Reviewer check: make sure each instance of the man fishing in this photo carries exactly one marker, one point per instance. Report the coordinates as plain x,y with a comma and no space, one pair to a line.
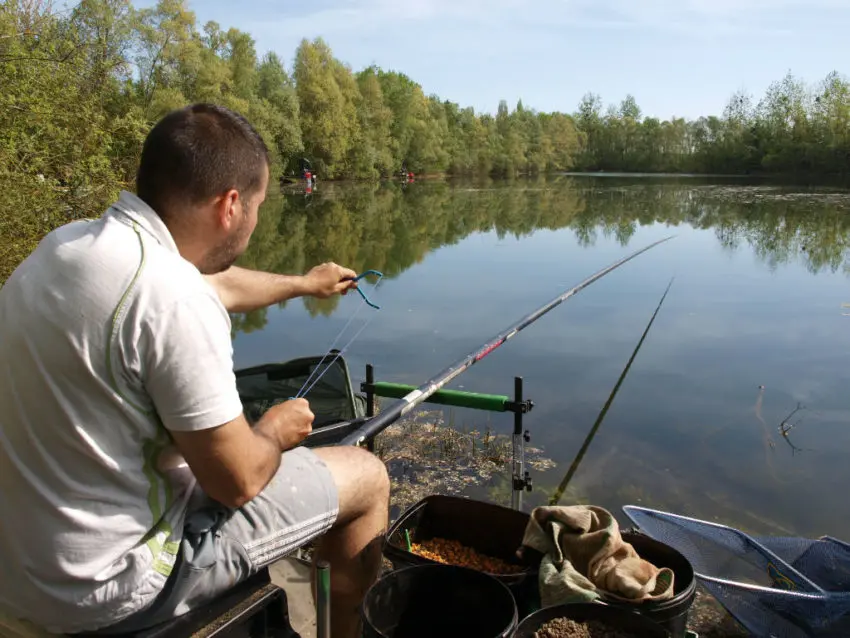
132,487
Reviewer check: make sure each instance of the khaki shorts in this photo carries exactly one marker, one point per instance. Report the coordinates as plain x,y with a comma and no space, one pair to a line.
222,547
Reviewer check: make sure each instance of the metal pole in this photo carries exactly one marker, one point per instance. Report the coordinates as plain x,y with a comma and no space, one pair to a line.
370,401
518,449
370,394
323,599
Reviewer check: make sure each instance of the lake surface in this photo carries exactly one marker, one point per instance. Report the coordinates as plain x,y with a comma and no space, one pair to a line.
761,273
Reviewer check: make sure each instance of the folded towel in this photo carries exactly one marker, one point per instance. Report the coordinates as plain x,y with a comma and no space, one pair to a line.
586,559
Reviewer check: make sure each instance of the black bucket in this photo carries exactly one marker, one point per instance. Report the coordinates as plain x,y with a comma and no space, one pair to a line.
627,622
488,528
431,601
671,614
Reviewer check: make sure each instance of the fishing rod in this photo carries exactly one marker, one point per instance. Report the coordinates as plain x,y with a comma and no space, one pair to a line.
383,420
559,493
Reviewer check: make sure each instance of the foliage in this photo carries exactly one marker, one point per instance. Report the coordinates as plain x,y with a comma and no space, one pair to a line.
794,129
82,86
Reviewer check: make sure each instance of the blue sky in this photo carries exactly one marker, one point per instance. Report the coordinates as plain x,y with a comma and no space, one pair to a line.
677,57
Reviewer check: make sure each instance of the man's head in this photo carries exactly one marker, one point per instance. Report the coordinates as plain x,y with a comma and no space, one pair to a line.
205,170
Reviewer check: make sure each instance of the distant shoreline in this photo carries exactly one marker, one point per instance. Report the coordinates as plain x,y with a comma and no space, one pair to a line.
787,179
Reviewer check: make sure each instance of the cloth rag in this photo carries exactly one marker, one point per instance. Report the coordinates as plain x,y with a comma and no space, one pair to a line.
586,559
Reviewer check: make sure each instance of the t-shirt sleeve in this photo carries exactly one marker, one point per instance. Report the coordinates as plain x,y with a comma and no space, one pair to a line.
188,368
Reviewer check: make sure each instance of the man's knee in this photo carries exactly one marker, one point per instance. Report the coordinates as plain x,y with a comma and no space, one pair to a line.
375,486
379,478
360,476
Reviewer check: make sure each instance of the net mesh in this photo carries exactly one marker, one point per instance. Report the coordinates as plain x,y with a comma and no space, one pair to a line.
331,398
784,587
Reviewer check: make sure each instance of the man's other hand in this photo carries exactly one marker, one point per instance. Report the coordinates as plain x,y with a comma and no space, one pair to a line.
328,279
292,421
234,462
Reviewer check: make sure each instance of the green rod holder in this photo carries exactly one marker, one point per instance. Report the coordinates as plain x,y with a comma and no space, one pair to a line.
323,599
456,398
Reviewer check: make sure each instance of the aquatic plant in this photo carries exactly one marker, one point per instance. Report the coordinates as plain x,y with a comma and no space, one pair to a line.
428,455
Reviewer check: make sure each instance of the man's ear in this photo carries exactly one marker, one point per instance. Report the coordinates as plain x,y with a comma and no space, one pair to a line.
228,207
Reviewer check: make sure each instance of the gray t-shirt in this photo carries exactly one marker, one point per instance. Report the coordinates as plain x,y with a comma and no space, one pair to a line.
108,339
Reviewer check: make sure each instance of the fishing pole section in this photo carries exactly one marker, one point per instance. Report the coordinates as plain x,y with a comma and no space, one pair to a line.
376,424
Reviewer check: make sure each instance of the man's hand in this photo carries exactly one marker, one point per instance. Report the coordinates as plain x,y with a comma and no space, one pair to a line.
329,279
289,422
234,462
244,290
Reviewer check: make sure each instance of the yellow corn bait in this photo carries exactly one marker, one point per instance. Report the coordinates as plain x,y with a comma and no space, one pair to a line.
451,552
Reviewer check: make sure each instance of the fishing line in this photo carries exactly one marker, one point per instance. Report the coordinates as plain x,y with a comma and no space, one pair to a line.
330,349
307,386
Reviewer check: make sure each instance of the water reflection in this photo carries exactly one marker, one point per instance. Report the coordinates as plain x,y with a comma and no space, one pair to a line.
390,228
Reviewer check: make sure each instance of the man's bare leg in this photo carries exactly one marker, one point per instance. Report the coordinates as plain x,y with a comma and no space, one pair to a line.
353,545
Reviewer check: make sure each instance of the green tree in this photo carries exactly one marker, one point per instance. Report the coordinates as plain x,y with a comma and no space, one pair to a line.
242,60
372,153
55,71
275,87
166,59
327,98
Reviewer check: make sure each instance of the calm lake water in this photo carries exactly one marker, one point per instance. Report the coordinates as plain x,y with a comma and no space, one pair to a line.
761,273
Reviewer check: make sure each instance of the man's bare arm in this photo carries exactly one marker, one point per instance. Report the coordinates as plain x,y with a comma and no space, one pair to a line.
243,290
234,462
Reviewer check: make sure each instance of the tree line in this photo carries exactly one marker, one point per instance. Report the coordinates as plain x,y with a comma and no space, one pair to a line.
82,86
793,130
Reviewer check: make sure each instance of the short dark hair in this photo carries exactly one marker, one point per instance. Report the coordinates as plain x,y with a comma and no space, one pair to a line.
197,152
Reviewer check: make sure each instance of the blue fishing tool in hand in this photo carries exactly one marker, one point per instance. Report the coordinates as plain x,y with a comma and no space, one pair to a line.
310,382
378,274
